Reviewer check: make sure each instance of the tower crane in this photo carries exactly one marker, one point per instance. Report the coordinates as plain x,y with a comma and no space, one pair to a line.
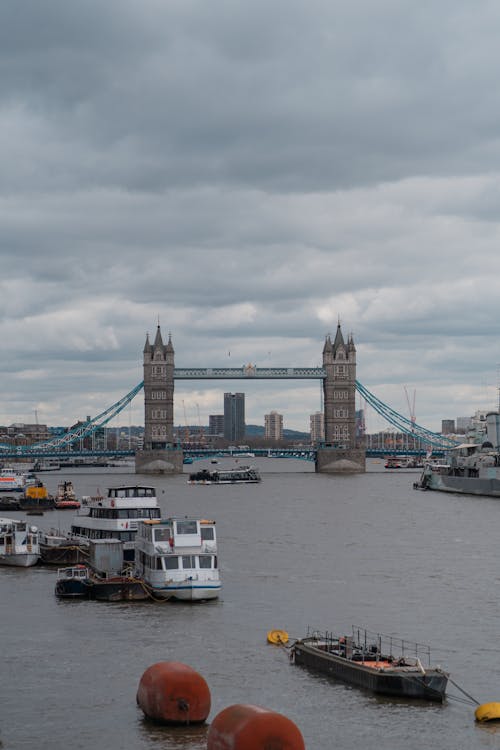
186,428
202,433
411,407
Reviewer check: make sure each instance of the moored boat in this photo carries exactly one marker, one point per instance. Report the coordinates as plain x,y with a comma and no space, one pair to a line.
472,469
65,498
14,480
18,543
381,664
73,582
115,516
177,558
241,475
36,498
59,548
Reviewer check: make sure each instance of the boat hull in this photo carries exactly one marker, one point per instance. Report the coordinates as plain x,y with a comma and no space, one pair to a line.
64,554
119,589
20,560
73,588
398,683
463,485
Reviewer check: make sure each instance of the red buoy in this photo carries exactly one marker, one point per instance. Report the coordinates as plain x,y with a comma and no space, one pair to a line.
173,693
246,727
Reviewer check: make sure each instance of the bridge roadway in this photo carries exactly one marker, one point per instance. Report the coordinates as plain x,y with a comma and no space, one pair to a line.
305,453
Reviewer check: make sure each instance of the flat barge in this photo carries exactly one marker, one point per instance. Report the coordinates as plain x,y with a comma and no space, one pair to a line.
381,664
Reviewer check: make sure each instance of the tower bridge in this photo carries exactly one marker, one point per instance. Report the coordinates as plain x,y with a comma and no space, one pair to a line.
342,451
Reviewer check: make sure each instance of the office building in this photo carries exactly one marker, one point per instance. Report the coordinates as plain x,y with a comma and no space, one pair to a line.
317,423
216,424
447,426
273,426
234,417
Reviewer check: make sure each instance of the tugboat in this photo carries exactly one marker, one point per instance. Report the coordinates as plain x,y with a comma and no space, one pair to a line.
66,497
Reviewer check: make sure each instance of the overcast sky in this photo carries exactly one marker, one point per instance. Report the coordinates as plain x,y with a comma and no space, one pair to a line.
250,172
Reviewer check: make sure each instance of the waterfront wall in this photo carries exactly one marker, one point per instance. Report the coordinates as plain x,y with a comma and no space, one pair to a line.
159,461
340,461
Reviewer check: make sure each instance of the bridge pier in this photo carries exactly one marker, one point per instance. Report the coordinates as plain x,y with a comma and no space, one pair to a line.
330,460
159,461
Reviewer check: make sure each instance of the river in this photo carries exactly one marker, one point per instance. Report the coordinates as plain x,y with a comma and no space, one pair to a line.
297,550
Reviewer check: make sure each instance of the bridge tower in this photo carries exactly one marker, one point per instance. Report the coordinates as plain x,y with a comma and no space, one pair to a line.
340,452
159,454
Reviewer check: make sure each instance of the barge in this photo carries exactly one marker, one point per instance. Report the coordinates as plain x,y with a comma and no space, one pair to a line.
381,664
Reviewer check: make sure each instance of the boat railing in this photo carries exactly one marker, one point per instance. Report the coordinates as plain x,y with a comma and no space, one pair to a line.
376,645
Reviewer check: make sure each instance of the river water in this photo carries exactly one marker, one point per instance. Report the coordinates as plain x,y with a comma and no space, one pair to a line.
298,550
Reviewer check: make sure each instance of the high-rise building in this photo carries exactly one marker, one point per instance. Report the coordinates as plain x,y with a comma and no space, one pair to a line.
216,424
447,426
317,422
234,417
273,426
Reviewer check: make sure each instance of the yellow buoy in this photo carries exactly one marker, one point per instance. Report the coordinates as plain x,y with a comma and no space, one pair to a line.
277,637
488,712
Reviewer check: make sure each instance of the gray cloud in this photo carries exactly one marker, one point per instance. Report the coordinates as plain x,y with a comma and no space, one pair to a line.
249,173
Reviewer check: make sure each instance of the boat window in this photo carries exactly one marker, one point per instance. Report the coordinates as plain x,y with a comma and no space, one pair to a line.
188,562
162,535
158,563
171,563
187,527
207,533
205,561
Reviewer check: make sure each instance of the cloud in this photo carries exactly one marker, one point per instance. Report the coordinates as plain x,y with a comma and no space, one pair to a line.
249,174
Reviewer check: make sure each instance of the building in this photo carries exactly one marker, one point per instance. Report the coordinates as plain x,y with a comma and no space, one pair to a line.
234,417
216,424
317,422
24,434
447,426
273,426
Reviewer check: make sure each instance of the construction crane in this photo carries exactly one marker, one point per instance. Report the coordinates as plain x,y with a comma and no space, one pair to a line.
411,407
186,428
202,433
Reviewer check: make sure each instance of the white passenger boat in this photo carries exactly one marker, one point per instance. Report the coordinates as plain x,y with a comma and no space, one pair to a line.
18,543
177,558
15,480
116,516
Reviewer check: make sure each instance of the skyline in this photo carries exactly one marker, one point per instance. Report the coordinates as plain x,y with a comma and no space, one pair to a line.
248,175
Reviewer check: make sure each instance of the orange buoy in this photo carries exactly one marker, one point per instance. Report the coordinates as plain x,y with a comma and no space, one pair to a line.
247,727
173,693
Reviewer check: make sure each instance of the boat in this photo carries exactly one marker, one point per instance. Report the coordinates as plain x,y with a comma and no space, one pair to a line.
36,498
177,558
9,502
187,460
115,516
14,480
381,664
110,578
403,462
65,498
18,543
241,475
392,462
73,582
472,469
46,465
60,548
